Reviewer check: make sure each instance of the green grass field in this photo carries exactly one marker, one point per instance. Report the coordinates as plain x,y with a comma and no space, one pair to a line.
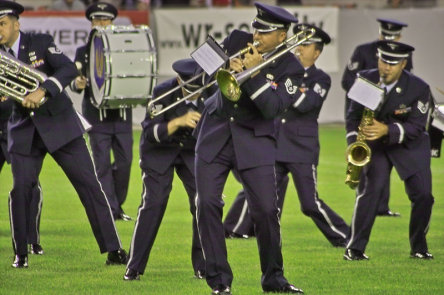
72,263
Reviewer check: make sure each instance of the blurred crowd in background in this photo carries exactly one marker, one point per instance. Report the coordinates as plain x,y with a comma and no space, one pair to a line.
74,5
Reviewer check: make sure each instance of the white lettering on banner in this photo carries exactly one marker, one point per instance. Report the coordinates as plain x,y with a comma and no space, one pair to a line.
69,33
179,32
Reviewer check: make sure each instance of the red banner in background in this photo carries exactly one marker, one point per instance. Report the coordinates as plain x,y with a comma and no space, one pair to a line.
70,29
137,17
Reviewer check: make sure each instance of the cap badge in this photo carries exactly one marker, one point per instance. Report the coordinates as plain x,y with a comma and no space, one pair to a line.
392,46
102,6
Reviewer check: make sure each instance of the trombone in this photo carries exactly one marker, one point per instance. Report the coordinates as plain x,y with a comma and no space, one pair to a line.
151,107
229,83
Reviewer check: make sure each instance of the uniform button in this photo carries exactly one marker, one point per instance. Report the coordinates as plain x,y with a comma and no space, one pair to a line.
31,114
231,119
181,144
283,121
235,106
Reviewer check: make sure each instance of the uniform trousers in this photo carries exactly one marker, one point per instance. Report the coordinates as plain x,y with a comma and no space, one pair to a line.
260,185
75,160
156,191
304,176
385,196
238,219
418,187
114,176
36,200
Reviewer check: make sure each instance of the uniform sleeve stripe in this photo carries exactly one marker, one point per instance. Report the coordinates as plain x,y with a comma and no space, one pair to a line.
56,83
259,91
156,132
352,133
299,101
401,132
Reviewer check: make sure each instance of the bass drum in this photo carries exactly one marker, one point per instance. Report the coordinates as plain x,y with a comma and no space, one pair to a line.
122,66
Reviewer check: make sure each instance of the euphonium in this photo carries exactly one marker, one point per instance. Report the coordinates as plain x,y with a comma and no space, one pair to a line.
358,153
18,79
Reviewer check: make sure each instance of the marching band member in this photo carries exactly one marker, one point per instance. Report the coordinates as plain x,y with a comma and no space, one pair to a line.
298,144
167,145
111,128
396,138
240,135
364,57
55,128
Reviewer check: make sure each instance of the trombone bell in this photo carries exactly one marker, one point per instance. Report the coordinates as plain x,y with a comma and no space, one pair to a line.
228,85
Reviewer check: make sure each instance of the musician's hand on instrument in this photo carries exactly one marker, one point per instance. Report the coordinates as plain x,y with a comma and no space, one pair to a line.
375,131
32,100
3,98
252,57
236,65
81,82
190,119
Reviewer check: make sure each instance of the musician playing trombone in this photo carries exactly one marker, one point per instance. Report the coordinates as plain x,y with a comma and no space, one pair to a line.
397,137
40,126
298,144
167,145
240,135
111,128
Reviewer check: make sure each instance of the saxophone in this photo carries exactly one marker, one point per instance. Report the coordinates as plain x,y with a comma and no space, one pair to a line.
358,153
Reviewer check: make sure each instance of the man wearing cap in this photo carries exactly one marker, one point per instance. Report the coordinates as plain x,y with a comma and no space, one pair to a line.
54,127
111,128
240,135
167,145
397,138
298,141
365,57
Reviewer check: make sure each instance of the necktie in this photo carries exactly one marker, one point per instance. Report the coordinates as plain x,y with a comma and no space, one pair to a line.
11,52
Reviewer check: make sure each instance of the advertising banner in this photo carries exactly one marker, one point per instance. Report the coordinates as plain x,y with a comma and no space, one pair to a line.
180,31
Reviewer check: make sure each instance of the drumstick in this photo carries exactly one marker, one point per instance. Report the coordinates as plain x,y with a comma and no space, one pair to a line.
440,90
79,67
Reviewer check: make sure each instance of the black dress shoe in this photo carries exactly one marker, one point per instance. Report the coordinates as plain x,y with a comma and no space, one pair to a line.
35,249
389,213
289,289
131,275
233,235
117,257
340,244
122,216
221,290
199,274
421,255
351,254
20,261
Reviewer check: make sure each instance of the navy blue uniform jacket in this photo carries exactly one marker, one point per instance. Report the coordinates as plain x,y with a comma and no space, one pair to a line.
405,111
298,138
158,150
56,120
249,121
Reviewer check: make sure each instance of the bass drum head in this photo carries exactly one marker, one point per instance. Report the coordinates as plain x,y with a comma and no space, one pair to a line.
97,68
